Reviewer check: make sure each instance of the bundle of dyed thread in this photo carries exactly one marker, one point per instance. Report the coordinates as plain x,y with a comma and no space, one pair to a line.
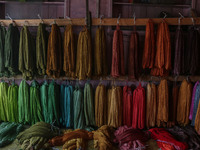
54,52
129,138
101,107
187,135
138,120
23,103
115,107
192,53
37,135
100,57
183,105
162,103
195,104
151,105
76,134
69,52
79,120
117,68
13,103
35,107
149,46
8,132
162,63
26,54
103,138
2,46
89,105
11,52
133,65
41,49
4,102
127,106
66,106
179,67
84,55
165,140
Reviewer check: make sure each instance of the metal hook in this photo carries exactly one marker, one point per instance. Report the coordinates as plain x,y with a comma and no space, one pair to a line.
101,19
118,18
2,24
9,17
179,19
70,20
188,77
26,23
40,18
134,16
165,15
193,22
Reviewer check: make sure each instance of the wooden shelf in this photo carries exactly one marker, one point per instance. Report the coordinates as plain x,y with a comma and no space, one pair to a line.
152,5
105,21
37,2
143,78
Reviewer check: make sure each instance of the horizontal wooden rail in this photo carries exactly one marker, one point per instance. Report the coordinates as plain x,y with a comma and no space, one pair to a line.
105,21
143,78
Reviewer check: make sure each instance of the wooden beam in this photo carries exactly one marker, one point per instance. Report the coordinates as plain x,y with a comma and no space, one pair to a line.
143,78
105,21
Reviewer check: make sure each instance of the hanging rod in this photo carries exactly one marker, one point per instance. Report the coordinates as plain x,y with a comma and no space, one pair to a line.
105,21
143,78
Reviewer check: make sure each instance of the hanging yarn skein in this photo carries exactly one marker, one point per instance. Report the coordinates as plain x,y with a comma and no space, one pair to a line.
192,51
11,52
24,103
35,105
100,57
149,46
117,68
44,100
183,105
89,105
193,97
133,66
127,106
151,105
69,107
41,49
101,106
115,107
195,105
84,55
197,120
162,103
53,102
4,111
138,120
13,103
78,99
69,52
173,108
2,50
66,106
54,52
163,53
179,67
26,54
